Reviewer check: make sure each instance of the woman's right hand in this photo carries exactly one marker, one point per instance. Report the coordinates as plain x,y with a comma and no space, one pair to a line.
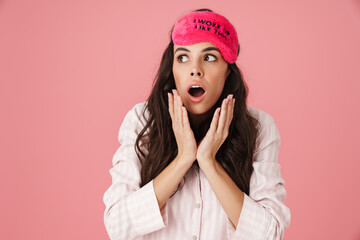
184,135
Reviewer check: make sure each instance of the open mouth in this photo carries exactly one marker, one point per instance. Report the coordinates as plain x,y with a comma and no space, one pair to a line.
196,91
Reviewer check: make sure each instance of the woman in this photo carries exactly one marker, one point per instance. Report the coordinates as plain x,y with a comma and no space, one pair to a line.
192,163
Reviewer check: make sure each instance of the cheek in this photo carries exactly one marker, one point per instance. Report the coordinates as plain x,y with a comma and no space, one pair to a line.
218,81
218,87
176,78
180,80
176,73
218,92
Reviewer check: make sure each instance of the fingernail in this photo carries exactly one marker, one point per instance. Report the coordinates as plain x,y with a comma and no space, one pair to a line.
231,96
173,91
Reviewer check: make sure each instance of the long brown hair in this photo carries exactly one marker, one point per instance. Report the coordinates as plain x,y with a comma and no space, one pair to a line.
156,145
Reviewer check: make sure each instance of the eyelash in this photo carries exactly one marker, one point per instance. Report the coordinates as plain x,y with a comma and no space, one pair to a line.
178,58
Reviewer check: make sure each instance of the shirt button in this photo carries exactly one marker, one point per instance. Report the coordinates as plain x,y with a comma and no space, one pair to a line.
197,205
194,237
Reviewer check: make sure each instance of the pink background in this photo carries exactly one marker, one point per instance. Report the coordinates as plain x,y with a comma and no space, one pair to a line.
70,70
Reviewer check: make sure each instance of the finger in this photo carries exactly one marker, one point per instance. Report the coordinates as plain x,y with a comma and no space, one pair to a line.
223,114
180,105
171,105
231,115
232,109
229,111
175,119
177,108
185,118
215,121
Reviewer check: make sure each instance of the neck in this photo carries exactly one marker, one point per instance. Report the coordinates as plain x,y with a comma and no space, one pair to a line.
197,122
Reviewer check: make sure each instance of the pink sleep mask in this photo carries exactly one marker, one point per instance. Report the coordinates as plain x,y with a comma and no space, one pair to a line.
207,26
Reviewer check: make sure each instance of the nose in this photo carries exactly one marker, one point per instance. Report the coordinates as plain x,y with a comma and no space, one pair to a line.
196,71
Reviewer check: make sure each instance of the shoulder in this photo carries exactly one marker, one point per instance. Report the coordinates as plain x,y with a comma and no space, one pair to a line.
137,111
268,131
136,117
263,117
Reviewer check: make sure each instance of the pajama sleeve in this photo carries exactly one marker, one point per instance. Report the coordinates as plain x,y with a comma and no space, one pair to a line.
264,215
130,211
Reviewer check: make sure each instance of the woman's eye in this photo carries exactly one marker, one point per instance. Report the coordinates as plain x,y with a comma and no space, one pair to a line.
210,58
182,58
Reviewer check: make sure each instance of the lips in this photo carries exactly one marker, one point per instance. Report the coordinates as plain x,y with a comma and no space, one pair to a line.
196,91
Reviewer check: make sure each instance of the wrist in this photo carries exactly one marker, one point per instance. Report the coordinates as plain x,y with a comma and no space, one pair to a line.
207,162
184,161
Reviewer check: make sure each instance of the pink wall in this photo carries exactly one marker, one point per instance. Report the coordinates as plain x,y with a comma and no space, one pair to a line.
70,70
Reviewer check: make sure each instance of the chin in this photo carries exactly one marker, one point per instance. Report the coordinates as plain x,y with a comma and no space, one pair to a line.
198,109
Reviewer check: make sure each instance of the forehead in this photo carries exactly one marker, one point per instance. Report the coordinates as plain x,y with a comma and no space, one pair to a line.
195,46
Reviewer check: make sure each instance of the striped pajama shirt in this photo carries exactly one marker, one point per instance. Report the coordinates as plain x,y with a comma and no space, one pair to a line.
194,212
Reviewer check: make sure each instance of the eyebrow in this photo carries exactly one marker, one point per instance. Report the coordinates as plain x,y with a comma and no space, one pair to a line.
204,50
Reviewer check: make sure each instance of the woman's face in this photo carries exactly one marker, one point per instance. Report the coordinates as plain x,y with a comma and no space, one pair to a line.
200,72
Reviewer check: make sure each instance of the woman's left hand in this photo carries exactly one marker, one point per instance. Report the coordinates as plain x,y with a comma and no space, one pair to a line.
217,133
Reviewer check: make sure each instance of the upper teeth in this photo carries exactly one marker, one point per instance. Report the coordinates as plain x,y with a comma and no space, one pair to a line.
196,86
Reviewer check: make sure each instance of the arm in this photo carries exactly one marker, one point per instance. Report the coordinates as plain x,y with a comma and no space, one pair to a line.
229,195
125,201
130,210
263,214
167,181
